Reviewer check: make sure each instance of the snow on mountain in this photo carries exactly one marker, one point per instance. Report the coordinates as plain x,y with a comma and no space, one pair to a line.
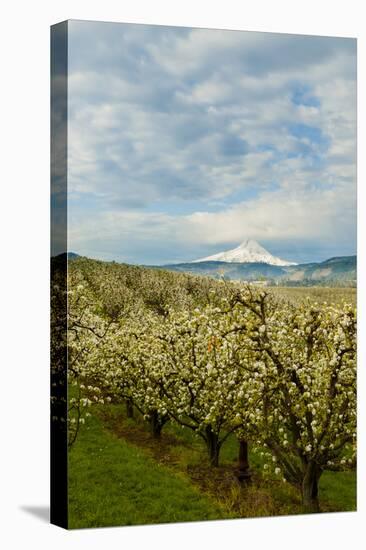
248,251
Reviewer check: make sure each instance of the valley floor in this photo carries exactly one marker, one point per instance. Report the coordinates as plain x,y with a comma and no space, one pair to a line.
332,295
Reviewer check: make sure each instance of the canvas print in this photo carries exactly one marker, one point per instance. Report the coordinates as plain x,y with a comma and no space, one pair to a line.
203,268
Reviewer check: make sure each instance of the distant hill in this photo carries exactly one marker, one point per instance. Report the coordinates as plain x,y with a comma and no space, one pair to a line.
70,255
340,271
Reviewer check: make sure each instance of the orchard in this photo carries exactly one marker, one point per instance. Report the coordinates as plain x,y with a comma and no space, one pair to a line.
216,358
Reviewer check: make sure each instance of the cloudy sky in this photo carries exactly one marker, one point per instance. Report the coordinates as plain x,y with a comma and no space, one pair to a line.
184,142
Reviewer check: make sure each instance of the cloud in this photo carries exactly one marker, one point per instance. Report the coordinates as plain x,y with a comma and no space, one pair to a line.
191,138
325,216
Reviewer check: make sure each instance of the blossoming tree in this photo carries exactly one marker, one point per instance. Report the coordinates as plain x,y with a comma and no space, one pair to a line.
300,385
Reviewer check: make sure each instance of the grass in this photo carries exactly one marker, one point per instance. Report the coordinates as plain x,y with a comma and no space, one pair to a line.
120,475
332,295
113,483
339,489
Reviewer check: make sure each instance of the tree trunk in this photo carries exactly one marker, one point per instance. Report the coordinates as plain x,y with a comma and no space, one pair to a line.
129,408
213,446
156,423
243,472
310,487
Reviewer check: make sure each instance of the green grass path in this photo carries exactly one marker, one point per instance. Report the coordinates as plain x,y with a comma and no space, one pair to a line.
114,483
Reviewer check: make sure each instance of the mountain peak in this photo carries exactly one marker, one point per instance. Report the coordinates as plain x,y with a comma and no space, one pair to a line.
251,244
249,251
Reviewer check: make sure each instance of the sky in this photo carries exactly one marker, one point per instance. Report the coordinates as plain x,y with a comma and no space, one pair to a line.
185,142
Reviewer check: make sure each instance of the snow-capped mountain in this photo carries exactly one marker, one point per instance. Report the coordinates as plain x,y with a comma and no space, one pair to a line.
248,251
